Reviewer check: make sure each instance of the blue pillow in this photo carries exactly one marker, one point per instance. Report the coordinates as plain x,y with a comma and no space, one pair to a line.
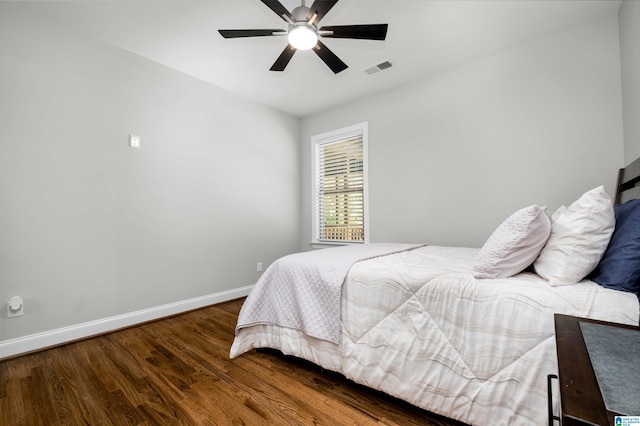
619,268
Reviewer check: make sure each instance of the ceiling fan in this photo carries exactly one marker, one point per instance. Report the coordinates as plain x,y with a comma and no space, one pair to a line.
303,32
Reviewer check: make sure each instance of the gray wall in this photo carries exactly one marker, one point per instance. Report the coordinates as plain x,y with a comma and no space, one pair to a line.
630,64
451,156
90,228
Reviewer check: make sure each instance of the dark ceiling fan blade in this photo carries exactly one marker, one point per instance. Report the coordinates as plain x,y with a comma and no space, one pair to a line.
329,58
283,60
319,8
250,33
366,32
279,9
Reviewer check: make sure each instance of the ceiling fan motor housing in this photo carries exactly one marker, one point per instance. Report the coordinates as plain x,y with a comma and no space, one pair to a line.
300,13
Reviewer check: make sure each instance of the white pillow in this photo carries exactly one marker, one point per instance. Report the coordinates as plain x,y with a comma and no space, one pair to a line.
514,245
579,237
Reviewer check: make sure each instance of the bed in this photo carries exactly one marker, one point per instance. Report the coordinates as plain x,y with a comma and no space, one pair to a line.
466,333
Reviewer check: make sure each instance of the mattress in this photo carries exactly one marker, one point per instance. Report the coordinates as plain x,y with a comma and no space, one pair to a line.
417,325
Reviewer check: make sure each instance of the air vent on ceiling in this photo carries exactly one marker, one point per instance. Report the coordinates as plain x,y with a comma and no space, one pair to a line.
378,67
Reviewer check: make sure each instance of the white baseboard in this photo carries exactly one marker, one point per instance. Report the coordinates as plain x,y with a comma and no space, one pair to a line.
34,342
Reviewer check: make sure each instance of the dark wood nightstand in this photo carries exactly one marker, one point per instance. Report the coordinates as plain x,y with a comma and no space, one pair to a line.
581,400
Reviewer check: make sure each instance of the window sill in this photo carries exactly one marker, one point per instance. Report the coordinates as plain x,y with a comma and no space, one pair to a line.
325,244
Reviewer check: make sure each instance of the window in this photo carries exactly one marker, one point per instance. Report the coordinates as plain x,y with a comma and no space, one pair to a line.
340,186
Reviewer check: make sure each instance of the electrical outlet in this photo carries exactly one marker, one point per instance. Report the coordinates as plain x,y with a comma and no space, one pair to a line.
134,141
15,307
259,267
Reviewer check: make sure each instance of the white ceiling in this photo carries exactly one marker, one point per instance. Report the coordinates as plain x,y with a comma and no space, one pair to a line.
424,37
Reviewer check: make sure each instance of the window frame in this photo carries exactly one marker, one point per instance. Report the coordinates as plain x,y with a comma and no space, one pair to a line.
335,136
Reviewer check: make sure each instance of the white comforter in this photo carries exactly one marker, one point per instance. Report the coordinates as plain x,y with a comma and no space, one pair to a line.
418,326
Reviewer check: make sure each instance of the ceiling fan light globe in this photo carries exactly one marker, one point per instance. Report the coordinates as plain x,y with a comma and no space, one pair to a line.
303,38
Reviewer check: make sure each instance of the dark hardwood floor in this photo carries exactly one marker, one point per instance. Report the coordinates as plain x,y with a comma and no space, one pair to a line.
177,371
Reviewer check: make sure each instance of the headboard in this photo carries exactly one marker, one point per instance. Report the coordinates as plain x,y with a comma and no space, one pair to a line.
628,186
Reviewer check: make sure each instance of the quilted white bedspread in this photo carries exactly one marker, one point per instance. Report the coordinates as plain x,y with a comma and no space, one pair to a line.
417,325
303,290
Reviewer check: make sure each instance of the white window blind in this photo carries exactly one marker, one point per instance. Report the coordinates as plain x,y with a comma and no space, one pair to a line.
340,187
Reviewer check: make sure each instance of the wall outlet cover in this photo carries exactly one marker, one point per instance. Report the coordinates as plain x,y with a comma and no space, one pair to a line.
134,141
15,307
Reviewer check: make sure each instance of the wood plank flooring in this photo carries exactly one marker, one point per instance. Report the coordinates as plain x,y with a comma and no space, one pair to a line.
177,371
